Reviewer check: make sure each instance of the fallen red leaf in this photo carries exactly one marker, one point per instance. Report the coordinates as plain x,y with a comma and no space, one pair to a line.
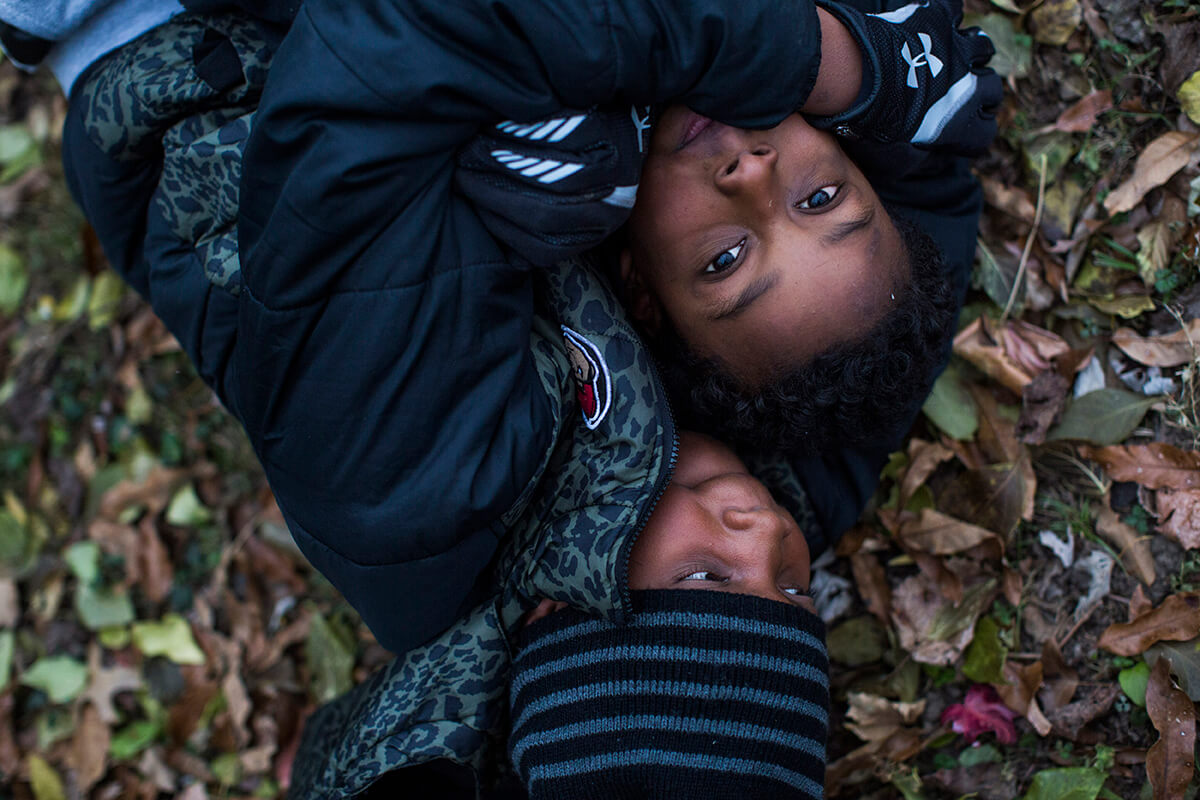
1080,117
980,712
1179,517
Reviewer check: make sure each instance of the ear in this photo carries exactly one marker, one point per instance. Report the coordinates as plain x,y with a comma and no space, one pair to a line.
640,301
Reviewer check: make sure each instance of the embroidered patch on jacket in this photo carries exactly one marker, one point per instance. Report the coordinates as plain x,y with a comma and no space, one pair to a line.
593,384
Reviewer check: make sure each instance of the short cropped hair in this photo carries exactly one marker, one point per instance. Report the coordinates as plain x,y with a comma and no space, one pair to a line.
858,393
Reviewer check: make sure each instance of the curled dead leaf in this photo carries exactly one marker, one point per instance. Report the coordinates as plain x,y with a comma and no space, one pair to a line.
874,719
1041,403
923,459
1177,619
1179,517
89,748
1170,760
872,584
932,629
1011,354
1081,116
1161,159
933,532
1169,350
1156,465
1132,548
1020,693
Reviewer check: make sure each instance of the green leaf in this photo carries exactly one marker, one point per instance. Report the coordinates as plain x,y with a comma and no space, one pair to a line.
14,141
951,407
1066,783
994,274
62,678
186,510
330,655
1133,682
106,294
1189,97
982,754
7,643
14,280
227,769
54,724
14,544
100,608
83,559
138,407
44,780
172,638
857,641
1105,416
1014,52
950,619
133,739
72,306
985,656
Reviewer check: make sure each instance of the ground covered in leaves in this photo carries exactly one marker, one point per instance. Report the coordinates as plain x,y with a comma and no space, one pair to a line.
1017,615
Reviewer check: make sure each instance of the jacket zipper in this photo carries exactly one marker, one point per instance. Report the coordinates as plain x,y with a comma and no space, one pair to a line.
663,482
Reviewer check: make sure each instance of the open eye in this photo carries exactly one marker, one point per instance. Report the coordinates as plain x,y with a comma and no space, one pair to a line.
726,259
820,198
703,575
796,590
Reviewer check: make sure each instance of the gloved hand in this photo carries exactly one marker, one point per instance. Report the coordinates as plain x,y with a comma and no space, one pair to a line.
556,187
924,81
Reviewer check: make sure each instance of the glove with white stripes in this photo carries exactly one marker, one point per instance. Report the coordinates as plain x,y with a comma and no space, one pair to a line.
555,187
924,81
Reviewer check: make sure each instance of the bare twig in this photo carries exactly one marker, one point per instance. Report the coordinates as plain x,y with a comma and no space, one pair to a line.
1037,222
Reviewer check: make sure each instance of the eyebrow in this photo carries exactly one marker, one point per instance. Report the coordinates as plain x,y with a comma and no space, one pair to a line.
754,290
844,230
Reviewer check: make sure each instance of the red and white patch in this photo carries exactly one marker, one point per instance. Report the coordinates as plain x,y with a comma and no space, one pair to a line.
593,384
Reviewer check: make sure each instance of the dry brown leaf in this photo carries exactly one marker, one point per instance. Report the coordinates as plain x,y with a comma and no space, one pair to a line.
1156,465
1070,719
1013,354
154,492
995,498
1041,403
1060,680
1170,350
872,585
1011,586
106,682
1011,200
1132,548
10,603
10,755
931,628
1139,603
1020,693
874,719
1054,21
923,459
1080,117
1177,619
89,748
154,562
1179,517
934,568
1161,159
936,533
1169,762
997,432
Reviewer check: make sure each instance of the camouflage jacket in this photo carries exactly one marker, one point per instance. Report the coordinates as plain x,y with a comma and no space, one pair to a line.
571,542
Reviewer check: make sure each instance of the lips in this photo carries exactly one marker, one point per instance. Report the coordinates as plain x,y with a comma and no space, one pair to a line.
695,126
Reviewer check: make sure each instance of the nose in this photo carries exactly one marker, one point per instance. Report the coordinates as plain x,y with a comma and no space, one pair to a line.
759,519
748,169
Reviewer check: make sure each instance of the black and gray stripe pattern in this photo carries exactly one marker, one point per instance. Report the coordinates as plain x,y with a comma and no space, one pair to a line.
724,695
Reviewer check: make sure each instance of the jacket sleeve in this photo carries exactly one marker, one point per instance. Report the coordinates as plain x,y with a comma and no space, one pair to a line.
382,368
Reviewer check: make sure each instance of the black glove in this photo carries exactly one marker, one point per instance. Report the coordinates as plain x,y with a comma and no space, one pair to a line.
924,81
559,186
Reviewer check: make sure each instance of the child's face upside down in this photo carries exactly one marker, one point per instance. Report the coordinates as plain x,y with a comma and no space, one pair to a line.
717,527
762,248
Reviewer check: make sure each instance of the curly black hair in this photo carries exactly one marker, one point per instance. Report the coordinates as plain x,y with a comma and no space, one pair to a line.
862,392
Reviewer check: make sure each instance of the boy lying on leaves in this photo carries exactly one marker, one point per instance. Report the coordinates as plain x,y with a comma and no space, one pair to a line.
399,365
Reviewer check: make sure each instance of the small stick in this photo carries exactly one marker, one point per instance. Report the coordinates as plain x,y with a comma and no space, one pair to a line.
1037,221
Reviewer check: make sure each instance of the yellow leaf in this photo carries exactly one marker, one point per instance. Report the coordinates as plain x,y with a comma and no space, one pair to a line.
1189,97
1126,305
45,781
1055,20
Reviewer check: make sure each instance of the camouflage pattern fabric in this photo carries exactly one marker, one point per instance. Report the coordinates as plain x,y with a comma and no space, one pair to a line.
146,101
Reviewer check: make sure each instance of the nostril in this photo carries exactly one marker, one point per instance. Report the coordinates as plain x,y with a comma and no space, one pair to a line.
761,150
732,166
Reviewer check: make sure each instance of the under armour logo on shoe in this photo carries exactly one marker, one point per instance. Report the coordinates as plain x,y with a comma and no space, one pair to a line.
924,59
